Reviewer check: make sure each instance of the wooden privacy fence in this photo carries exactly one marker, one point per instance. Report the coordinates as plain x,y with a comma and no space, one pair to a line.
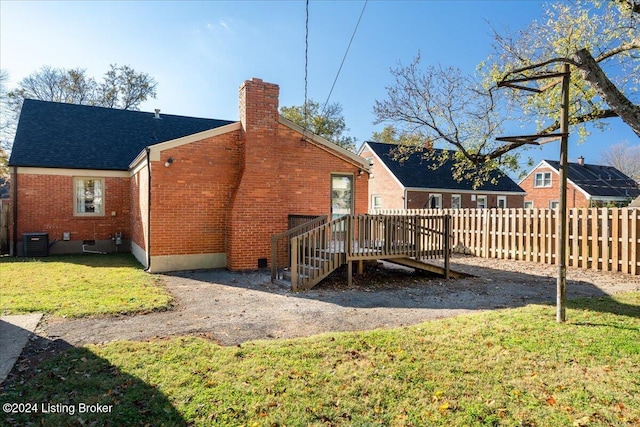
604,239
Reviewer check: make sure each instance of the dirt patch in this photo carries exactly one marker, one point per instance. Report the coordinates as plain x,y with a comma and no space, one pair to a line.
231,308
236,307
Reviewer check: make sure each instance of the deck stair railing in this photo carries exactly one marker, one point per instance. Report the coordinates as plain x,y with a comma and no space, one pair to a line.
281,243
319,251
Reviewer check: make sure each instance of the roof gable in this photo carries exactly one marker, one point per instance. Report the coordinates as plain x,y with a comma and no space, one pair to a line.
59,135
599,180
327,145
417,172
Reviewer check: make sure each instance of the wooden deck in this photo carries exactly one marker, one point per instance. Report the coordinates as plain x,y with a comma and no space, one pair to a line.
323,246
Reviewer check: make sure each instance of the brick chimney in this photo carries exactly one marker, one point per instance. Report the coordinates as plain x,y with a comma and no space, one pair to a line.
259,105
258,197
581,161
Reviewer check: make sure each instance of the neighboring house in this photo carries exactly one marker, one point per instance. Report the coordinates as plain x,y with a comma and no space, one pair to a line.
587,186
635,203
413,183
178,192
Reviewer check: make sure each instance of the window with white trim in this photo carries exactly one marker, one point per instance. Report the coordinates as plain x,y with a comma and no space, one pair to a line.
528,204
542,180
435,201
88,196
553,204
456,201
376,202
481,202
502,202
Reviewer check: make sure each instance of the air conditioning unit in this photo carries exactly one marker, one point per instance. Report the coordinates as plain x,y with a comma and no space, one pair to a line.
35,244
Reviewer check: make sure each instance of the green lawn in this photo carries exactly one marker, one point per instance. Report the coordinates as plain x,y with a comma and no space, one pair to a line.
514,367
79,285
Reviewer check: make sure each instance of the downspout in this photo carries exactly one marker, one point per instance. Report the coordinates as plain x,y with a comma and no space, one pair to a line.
405,199
14,184
148,150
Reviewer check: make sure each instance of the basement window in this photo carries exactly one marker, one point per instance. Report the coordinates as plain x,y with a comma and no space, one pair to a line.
88,198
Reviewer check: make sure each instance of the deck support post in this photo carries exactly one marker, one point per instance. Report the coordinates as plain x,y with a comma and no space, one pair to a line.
361,266
294,264
349,273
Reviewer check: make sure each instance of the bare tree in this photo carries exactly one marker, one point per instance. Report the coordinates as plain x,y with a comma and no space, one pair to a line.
7,125
446,107
624,157
6,121
122,88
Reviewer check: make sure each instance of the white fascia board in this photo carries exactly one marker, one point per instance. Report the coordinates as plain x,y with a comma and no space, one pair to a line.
156,149
135,164
106,173
379,161
457,191
354,158
359,152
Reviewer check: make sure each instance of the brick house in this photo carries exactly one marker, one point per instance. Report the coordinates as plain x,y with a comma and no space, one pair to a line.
414,184
178,192
587,185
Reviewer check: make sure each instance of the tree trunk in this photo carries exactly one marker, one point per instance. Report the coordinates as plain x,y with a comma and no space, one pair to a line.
616,100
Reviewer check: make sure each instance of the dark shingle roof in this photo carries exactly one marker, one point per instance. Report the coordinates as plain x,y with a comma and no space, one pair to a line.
57,135
599,180
416,172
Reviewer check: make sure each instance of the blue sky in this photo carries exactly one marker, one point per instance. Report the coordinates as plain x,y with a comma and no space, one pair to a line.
200,52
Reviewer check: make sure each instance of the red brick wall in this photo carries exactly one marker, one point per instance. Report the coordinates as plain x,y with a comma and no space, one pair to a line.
542,196
383,184
45,204
281,175
420,200
137,217
190,199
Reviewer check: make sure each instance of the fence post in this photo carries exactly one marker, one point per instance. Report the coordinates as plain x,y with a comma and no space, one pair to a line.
485,233
417,235
447,248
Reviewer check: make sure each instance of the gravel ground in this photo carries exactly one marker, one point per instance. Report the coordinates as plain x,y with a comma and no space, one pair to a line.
232,308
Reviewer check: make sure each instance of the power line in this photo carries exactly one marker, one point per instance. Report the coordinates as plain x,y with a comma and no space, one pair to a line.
306,65
324,107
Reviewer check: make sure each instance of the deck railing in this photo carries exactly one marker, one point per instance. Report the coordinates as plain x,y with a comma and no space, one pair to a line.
281,243
318,252
388,236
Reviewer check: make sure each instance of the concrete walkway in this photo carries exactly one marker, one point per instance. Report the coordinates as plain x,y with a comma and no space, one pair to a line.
15,331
